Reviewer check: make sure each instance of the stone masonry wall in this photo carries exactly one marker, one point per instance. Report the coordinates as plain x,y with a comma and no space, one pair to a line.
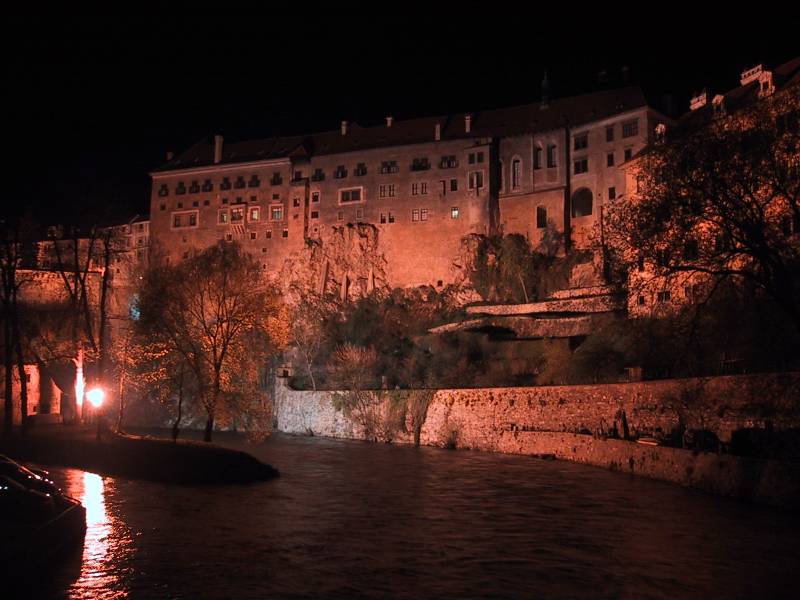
719,404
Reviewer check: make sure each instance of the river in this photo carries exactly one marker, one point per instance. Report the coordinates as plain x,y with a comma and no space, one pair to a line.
356,520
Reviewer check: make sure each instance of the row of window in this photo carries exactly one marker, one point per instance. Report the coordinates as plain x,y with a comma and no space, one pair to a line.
630,128
195,187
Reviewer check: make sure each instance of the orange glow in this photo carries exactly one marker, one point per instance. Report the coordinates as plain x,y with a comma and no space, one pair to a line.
80,385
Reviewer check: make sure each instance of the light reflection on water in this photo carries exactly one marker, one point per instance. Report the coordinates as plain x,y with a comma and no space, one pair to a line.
353,520
107,546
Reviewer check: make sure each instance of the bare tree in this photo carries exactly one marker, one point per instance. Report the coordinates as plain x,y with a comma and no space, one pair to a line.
217,312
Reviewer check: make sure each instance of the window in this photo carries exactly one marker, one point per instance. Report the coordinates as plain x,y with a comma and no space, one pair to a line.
630,128
610,159
318,175
610,133
340,216
255,213
480,157
475,180
551,157
664,296
414,189
206,202
581,165
415,215
296,202
195,204
226,184
276,212
581,141
180,205
315,214
537,157
383,218
628,154
269,234
423,188
351,195
285,233
541,217
423,214
194,188
237,214
385,191
314,197
640,300
454,212
163,207
360,170
420,164
224,200
454,185
163,190
391,217
252,235
475,157
208,186
612,193
239,184
448,162
254,182
443,183
516,173
360,214
297,176
582,201
180,189
340,172
253,198
276,179
222,216
184,219
389,166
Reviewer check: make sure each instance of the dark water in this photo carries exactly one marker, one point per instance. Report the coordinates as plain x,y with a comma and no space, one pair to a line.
356,520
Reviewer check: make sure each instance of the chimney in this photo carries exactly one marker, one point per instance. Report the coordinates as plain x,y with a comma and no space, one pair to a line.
344,127
698,100
545,93
467,123
437,132
170,155
389,121
218,149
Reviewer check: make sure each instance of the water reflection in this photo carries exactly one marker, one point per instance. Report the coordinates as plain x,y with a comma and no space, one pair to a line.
107,547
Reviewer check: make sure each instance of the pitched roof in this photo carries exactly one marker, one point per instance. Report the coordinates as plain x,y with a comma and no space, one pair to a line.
573,111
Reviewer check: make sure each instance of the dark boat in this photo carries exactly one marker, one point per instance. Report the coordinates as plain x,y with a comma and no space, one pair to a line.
38,522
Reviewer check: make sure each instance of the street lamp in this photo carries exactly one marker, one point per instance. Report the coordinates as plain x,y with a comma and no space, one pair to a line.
95,396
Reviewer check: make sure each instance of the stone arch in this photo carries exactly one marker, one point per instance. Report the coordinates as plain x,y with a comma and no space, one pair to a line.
582,202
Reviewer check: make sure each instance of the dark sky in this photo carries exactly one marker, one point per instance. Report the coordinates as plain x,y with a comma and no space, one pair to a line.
97,102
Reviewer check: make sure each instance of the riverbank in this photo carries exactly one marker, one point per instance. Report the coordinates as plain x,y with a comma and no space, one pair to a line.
573,422
136,457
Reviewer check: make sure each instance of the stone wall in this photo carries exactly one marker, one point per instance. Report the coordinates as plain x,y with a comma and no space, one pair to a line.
718,404
556,421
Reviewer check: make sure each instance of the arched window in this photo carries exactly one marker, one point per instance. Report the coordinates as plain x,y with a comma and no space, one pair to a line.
516,173
582,202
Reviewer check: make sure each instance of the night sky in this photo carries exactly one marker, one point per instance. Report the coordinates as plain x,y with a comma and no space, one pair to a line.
97,102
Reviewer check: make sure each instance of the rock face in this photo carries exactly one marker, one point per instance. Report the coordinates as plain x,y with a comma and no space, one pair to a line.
348,263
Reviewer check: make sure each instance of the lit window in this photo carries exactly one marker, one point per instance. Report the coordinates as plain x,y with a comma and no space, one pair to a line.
314,197
222,217
237,215
391,217
415,215
423,214
255,213
285,233
454,212
276,213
